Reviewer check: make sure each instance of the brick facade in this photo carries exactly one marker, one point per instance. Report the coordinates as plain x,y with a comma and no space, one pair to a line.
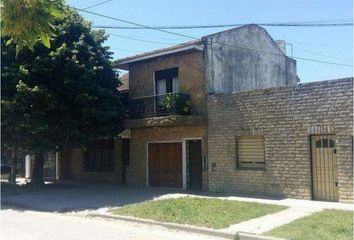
286,117
190,76
136,171
168,128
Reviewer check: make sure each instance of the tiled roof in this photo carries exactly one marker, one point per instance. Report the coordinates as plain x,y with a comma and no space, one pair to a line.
125,82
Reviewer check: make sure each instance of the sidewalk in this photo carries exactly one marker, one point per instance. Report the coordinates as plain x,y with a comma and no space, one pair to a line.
268,222
289,202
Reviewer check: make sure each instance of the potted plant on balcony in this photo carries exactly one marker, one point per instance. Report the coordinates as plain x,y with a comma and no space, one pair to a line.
175,103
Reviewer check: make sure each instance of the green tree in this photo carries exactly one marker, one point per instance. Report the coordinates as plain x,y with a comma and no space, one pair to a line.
9,75
26,21
59,97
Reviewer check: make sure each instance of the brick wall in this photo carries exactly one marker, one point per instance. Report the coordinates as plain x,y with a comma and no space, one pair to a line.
286,117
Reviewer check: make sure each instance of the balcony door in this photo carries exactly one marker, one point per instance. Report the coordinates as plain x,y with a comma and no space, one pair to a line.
166,81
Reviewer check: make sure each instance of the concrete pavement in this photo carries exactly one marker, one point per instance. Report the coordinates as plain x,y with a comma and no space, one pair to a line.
289,202
30,225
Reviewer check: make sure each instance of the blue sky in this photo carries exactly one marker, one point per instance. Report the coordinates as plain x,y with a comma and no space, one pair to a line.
333,44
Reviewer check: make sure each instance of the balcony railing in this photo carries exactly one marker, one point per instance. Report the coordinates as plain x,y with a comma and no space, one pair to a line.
160,105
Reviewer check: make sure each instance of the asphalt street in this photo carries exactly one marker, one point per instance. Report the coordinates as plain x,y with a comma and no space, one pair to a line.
33,225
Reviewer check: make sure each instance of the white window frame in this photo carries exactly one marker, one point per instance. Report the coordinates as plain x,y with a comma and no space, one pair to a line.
154,79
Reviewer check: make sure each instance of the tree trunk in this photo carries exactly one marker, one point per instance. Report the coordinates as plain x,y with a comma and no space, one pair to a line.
37,175
13,173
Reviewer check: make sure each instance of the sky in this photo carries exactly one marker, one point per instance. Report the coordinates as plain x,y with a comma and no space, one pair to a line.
332,44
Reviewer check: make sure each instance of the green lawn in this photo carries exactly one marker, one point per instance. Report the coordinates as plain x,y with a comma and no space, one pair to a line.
212,213
325,225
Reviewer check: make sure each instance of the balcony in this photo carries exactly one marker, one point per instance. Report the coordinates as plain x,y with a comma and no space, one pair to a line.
160,105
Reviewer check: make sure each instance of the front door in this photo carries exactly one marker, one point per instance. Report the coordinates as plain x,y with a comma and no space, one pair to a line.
165,165
194,161
65,169
125,158
324,168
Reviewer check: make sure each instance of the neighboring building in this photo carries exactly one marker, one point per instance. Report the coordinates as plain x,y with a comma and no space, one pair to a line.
285,141
233,65
226,113
124,87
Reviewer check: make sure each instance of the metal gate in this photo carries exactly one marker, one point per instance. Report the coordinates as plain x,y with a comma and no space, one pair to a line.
324,168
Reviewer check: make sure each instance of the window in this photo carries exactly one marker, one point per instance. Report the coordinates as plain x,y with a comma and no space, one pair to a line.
250,151
166,81
325,143
99,156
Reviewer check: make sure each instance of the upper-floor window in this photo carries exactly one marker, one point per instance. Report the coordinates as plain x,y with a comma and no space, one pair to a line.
166,81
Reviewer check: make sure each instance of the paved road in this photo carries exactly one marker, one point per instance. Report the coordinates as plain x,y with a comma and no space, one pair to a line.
32,225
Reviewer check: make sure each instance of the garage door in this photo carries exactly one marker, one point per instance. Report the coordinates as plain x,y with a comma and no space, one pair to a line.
165,165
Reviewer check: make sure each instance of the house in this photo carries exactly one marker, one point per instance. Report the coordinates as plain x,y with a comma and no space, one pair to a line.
227,113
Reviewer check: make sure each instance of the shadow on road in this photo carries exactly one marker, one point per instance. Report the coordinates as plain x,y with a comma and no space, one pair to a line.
74,196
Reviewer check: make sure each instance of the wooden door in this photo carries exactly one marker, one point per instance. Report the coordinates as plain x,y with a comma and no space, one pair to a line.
194,160
65,168
165,165
324,168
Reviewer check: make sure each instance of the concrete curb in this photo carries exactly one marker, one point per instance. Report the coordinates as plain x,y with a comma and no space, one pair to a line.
252,236
174,226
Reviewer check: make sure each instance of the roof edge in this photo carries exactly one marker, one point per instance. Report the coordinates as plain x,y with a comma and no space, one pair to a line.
124,62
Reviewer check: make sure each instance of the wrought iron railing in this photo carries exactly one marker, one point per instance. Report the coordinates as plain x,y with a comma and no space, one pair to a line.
160,105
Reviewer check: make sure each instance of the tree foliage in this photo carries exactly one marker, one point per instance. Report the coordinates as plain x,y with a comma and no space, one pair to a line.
26,21
62,96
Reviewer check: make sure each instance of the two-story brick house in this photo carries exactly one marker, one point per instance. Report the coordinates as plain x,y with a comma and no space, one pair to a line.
167,143
226,113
